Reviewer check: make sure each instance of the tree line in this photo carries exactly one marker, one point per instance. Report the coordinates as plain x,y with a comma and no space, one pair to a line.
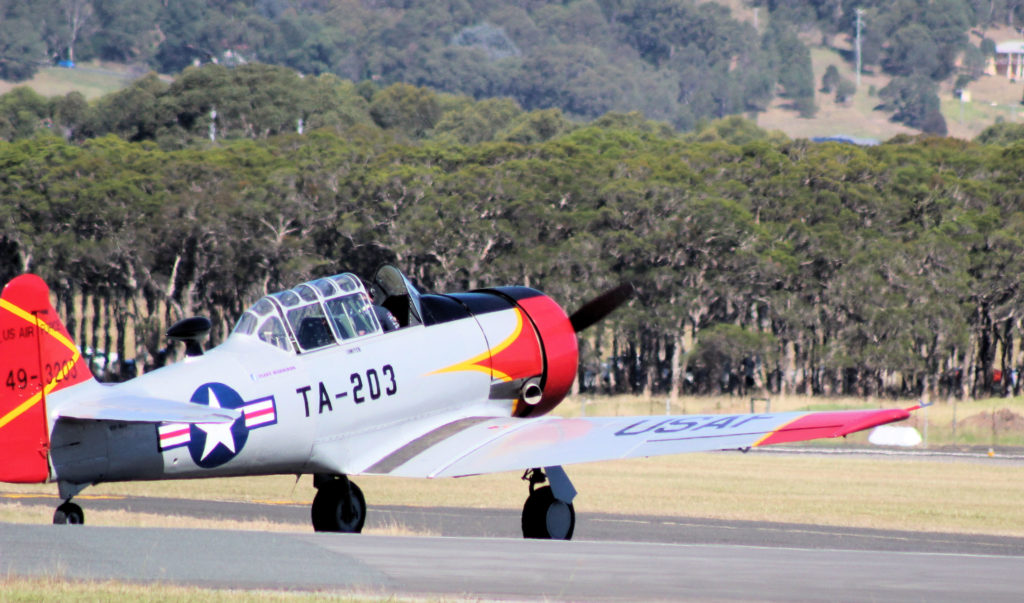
255,101
759,261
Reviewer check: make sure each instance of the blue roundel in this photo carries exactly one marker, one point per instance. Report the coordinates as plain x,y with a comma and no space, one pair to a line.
213,444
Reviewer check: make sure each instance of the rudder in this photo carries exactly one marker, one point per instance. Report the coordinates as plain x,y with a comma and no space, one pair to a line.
38,358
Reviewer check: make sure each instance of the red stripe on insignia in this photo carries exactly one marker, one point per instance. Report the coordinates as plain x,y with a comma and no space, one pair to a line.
174,435
173,430
259,413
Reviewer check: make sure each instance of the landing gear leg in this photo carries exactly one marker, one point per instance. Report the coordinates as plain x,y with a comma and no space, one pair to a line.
548,512
68,513
338,506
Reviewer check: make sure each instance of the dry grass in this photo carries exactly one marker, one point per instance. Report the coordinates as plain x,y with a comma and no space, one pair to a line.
93,80
992,98
927,495
15,589
895,494
855,118
16,512
34,513
740,10
269,489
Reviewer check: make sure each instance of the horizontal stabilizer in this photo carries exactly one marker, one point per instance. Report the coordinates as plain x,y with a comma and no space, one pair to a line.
140,409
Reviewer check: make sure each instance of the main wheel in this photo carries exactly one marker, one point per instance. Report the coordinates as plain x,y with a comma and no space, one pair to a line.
544,516
339,506
68,513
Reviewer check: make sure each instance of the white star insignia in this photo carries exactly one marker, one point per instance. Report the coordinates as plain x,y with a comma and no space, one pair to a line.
216,433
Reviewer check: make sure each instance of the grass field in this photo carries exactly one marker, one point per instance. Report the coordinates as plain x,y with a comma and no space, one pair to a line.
993,98
13,589
928,495
93,80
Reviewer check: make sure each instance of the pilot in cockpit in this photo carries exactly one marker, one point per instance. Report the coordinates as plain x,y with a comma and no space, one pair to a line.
387,320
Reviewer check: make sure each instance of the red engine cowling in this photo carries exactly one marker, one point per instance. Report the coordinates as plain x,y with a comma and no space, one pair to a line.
559,354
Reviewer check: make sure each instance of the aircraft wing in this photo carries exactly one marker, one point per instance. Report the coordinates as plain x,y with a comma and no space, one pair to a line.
488,445
142,409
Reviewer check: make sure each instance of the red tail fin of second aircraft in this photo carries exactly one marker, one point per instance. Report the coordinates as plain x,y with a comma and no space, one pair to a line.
37,358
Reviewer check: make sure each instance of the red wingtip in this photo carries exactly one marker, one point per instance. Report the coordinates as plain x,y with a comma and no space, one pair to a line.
832,424
918,406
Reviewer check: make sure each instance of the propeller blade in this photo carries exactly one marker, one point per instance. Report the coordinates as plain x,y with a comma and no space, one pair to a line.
601,306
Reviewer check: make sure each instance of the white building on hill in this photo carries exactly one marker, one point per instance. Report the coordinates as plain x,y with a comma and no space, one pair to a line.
1009,60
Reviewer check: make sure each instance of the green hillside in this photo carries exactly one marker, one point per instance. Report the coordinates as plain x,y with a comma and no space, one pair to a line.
682,62
993,99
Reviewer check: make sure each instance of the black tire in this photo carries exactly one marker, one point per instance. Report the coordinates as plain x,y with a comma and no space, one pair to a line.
546,517
339,506
68,513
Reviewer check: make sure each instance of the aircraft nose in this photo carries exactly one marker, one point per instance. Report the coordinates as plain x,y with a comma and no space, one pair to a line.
560,349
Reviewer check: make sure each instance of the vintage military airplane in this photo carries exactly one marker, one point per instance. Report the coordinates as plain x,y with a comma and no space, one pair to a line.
309,382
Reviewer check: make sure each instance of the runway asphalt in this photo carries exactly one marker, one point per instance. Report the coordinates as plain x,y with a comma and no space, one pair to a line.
481,556
494,568
504,523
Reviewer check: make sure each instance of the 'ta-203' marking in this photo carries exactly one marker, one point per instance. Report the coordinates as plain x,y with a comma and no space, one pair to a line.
668,426
369,385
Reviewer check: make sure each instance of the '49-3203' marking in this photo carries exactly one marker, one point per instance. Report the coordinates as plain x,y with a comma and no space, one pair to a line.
19,378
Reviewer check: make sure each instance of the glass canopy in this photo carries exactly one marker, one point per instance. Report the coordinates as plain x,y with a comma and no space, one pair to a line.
312,315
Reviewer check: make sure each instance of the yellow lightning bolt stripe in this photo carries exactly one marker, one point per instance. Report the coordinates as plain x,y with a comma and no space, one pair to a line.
472,363
49,387
20,409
